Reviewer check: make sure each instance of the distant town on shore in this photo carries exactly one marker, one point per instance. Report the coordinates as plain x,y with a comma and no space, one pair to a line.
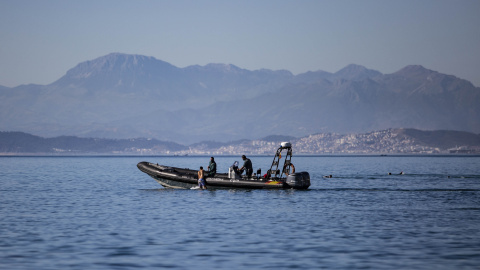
390,141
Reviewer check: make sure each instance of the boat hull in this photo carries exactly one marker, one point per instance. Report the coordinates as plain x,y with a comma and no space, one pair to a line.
172,177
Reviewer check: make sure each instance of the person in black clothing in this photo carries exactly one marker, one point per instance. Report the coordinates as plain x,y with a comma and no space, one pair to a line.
212,167
247,166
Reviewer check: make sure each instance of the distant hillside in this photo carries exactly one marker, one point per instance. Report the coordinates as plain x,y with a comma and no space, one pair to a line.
278,138
443,139
392,141
19,142
120,96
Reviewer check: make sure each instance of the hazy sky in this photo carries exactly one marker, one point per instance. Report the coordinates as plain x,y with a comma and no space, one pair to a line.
41,40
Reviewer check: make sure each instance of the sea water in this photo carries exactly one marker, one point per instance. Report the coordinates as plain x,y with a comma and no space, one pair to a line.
103,213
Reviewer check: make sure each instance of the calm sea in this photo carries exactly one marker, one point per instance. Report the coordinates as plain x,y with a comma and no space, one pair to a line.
103,213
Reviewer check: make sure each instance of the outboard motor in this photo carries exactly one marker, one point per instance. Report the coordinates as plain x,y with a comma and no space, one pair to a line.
299,180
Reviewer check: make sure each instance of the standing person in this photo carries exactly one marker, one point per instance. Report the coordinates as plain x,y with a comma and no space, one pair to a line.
212,167
247,166
201,179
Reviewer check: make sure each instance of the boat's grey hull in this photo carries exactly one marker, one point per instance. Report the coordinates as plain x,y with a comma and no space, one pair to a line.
171,177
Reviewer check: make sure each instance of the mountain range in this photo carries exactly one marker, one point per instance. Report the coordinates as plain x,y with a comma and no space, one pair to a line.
130,96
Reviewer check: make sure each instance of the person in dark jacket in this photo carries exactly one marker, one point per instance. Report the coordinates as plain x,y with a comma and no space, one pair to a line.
212,167
247,166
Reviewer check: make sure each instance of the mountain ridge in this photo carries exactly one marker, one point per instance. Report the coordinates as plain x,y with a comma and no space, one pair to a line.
124,96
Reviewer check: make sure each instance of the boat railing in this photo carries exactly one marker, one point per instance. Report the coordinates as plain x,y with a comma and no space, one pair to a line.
276,171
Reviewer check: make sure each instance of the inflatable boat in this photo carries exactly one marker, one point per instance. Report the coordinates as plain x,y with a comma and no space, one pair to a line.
277,177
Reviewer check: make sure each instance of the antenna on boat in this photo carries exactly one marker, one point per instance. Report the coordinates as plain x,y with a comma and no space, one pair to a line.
274,172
